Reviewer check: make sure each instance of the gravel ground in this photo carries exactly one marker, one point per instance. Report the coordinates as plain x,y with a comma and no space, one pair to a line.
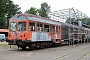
3,42
78,52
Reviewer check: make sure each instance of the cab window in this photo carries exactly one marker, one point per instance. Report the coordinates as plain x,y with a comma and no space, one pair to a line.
21,26
12,26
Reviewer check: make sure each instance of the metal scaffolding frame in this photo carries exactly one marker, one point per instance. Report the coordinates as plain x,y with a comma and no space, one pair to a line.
67,14
70,15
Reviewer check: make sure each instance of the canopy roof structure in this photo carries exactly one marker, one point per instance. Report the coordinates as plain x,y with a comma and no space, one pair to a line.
4,30
69,15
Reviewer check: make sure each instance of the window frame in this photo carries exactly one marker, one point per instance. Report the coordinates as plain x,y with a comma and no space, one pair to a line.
32,26
48,29
23,27
14,26
52,28
40,28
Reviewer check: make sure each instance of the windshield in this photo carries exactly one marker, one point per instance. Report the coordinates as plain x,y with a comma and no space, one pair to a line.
21,26
13,26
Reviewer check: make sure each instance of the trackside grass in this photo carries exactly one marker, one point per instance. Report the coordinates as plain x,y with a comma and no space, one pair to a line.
4,45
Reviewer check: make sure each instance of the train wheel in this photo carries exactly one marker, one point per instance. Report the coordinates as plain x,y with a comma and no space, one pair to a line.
32,46
41,46
48,44
23,48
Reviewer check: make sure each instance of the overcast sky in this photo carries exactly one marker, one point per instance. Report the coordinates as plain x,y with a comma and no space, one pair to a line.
81,5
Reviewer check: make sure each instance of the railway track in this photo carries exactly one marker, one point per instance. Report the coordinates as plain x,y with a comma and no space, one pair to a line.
81,55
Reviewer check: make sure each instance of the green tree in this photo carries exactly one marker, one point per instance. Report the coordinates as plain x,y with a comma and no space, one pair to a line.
7,10
11,9
88,22
44,10
32,10
2,14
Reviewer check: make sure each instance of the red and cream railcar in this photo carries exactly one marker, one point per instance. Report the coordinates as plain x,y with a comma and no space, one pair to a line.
33,31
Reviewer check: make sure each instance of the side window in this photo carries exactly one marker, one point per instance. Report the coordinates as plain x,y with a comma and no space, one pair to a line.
52,28
56,28
46,28
39,27
31,26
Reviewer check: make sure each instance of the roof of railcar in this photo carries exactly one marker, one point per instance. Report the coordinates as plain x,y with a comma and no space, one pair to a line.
34,17
31,15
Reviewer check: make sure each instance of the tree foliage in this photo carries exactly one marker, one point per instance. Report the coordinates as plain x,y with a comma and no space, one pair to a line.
44,10
7,10
11,9
86,21
2,14
32,10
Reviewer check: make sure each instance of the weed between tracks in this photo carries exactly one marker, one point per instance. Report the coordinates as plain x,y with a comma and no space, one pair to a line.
64,48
